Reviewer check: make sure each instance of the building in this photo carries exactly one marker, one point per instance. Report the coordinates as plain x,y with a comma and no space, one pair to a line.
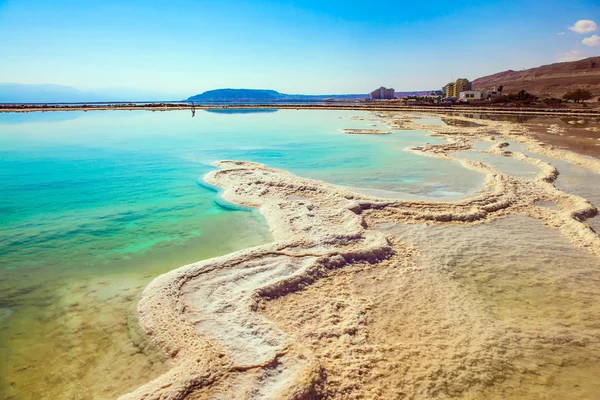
453,89
486,94
382,94
461,85
470,95
449,89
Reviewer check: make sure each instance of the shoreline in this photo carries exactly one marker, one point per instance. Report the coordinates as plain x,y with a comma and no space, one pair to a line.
319,228
592,112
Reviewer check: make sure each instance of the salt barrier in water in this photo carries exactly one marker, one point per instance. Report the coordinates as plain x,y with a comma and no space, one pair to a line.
219,199
205,315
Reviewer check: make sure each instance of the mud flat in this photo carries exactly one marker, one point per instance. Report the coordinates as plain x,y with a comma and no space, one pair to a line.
364,297
581,135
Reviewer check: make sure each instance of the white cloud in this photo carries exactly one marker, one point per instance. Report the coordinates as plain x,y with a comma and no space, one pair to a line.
572,55
593,41
560,33
584,26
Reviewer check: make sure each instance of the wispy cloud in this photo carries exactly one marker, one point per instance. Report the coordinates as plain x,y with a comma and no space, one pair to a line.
584,26
560,33
572,55
593,41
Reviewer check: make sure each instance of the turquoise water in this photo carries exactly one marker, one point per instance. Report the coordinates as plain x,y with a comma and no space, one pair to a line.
95,176
94,205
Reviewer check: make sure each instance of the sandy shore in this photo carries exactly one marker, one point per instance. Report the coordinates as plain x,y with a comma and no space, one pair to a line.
295,319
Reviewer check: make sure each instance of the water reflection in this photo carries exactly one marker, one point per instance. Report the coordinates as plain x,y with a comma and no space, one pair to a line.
14,118
241,110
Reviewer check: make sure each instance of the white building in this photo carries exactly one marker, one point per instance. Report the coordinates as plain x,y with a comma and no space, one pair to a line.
471,95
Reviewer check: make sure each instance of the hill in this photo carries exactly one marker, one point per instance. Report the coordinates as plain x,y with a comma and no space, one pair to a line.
45,93
552,80
263,95
219,95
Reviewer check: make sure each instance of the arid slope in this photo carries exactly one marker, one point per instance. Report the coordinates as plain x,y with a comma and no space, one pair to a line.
552,80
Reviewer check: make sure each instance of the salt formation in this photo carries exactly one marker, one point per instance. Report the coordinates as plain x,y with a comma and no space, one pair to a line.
206,316
366,131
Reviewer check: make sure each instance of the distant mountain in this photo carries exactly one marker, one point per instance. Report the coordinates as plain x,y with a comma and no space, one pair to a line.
48,93
263,95
552,80
219,95
128,94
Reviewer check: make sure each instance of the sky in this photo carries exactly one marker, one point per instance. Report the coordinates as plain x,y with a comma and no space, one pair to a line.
184,47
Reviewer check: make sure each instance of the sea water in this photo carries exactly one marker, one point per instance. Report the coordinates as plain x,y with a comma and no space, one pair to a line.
93,205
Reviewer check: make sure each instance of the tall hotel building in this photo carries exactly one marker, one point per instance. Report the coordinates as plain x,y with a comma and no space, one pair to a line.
453,89
382,94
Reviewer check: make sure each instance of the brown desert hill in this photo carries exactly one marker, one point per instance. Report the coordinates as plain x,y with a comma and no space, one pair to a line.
552,80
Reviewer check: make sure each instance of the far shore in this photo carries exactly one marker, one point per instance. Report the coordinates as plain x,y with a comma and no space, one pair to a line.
592,111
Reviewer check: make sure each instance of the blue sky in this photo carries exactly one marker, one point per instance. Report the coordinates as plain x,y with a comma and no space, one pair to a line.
185,47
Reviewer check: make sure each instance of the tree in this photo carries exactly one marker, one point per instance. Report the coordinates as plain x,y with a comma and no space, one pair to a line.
568,96
578,95
583,94
521,96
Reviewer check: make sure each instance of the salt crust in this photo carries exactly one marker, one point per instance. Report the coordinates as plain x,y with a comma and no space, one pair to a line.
205,316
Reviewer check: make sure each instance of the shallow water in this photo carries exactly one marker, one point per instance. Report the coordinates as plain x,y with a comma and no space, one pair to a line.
94,205
542,294
595,223
480,145
505,164
579,181
429,120
571,178
578,134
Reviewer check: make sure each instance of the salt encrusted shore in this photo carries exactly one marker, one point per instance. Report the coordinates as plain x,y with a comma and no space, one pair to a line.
353,106
366,131
206,316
